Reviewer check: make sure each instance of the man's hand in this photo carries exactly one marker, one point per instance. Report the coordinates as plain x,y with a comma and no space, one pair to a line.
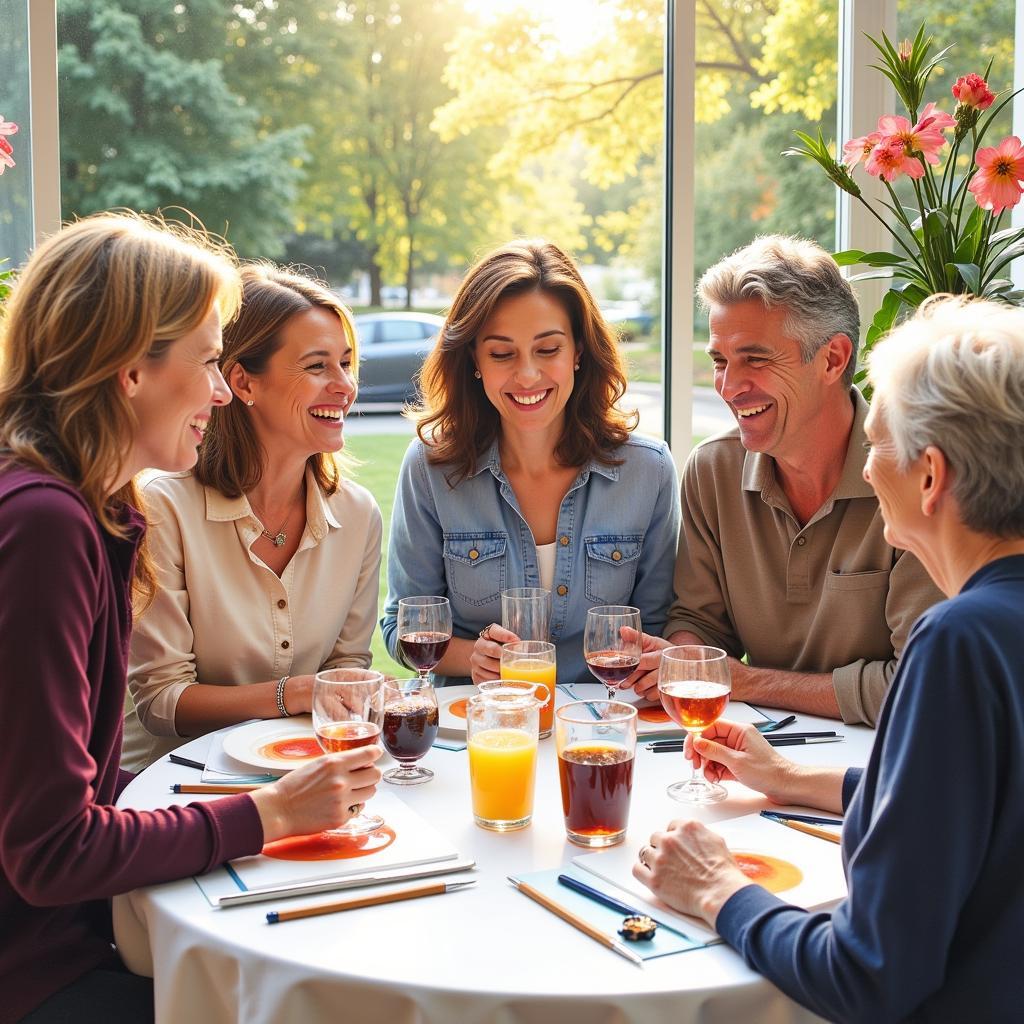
645,679
690,868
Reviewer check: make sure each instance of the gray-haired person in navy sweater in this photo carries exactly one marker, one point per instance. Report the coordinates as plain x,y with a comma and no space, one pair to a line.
934,829
111,345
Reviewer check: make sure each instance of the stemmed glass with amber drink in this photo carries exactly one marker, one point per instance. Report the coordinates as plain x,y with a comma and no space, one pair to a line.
610,655
348,712
409,728
694,685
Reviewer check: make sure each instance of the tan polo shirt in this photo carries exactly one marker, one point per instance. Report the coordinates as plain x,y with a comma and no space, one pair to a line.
831,596
223,617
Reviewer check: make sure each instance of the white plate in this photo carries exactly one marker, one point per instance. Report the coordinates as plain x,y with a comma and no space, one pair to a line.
448,723
246,743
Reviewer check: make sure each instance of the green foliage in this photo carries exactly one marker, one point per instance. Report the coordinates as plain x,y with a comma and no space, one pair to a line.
6,278
149,122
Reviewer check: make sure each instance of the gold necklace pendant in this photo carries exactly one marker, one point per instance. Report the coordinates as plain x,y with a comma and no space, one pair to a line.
277,541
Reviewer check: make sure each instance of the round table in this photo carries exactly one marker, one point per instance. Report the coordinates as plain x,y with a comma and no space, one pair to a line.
485,954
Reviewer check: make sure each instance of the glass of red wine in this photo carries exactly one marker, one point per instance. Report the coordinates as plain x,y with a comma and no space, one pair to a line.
348,712
409,728
611,656
424,631
694,684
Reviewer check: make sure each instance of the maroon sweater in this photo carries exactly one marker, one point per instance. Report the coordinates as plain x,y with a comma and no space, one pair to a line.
65,620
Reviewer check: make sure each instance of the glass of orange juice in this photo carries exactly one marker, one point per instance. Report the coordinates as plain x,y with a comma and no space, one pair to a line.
533,661
501,730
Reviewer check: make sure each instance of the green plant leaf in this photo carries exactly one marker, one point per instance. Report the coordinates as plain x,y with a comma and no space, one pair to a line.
970,273
848,257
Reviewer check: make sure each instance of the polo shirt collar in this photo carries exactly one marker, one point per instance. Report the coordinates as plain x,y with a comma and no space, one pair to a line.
759,469
491,460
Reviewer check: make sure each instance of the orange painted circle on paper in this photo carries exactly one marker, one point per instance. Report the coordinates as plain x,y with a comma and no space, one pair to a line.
653,714
458,707
774,874
291,748
325,846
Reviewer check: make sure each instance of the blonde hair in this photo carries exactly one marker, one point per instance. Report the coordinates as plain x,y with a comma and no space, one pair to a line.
953,377
231,458
96,298
793,274
458,422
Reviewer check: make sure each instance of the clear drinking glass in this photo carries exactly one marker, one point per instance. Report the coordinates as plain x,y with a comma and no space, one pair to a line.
424,631
609,655
409,728
348,712
694,685
596,741
533,661
526,611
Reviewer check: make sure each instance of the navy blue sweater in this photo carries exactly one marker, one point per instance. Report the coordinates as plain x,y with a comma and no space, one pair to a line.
933,845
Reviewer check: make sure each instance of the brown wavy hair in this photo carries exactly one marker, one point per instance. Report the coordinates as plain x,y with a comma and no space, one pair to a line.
231,457
98,297
458,423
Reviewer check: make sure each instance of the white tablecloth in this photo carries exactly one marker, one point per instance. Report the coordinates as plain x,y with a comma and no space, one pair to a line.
486,955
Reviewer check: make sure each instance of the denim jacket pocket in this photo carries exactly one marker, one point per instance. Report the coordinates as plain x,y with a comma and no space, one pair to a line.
612,561
475,565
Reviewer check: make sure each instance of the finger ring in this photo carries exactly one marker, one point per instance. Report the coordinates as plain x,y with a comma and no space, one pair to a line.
485,633
644,850
355,808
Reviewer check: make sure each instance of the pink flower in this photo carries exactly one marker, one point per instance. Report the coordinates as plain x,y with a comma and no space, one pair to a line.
889,159
972,91
925,137
996,185
859,149
6,128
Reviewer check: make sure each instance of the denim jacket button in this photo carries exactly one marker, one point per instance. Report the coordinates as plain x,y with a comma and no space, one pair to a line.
563,540
616,556
474,554
563,590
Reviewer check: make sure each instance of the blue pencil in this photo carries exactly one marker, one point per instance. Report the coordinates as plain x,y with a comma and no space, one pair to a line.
808,819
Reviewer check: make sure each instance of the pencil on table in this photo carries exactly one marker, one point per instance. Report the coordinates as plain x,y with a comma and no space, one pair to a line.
180,787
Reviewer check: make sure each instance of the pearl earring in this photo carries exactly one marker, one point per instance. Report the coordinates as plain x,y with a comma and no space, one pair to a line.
576,366
250,402
477,374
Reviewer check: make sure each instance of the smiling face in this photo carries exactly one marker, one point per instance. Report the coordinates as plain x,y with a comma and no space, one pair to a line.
777,399
525,353
172,397
300,400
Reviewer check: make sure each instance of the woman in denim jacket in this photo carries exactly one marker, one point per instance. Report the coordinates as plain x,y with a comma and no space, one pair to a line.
525,473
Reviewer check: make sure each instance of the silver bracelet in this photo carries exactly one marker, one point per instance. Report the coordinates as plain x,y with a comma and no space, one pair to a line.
281,709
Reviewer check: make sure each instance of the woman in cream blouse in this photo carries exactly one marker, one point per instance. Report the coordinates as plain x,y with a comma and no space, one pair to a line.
268,559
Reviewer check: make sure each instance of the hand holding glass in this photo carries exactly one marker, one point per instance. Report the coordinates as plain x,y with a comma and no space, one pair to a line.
347,713
610,656
424,631
694,685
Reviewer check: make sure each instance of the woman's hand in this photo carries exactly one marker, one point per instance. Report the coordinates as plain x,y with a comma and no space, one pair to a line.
645,679
320,795
298,694
485,661
731,750
690,868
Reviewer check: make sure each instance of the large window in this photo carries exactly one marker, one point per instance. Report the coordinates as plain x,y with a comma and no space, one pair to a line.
16,222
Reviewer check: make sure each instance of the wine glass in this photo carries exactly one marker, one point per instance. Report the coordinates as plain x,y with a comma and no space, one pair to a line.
348,713
609,655
694,684
424,631
409,728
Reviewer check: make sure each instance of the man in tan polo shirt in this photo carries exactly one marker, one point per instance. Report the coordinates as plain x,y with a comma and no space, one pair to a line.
782,553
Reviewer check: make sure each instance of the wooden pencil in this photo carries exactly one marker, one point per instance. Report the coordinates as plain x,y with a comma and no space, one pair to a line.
225,788
336,906
811,830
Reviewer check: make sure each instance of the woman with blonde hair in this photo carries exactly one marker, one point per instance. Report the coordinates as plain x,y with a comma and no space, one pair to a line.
111,345
268,557
525,472
933,826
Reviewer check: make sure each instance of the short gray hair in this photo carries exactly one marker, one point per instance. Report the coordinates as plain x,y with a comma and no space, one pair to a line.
793,274
953,377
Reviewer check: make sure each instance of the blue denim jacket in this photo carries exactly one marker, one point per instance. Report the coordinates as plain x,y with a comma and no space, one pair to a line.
616,544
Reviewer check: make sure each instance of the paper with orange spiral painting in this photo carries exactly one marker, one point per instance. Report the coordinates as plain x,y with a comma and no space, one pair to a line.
798,868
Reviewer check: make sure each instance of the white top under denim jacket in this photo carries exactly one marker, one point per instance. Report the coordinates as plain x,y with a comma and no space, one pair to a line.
615,542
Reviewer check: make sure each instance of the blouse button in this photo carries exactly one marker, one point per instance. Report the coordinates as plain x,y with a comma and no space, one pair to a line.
563,541
282,603
801,541
285,645
474,555
616,556
563,590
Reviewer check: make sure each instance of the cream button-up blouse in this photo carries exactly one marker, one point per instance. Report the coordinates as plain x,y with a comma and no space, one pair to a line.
222,616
